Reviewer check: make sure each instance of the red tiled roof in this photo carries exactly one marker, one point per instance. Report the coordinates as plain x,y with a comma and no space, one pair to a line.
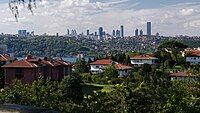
143,57
5,57
195,52
102,62
60,61
180,74
20,64
122,67
47,63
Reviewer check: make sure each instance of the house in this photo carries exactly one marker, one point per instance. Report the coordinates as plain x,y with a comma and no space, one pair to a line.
29,69
139,60
123,70
193,57
184,76
100,65
23,70
4,59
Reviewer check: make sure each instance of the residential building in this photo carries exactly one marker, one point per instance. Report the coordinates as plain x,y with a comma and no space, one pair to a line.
193,57
4,59
29,69
139,60
184,76
100,65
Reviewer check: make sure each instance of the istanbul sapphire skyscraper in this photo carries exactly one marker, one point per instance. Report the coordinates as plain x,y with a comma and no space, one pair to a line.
148,28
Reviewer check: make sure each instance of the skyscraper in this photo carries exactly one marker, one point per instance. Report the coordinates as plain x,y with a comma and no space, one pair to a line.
113,32
68,32
136,32
88,32
101,32
22,32
122,31
117,33
148,28
141,32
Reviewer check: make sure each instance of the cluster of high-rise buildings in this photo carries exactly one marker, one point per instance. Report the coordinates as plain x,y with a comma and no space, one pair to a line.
141,33
100,34
120,33
25,33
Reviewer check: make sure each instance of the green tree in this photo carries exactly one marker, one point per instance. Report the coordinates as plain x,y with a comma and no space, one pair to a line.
110,72
81,66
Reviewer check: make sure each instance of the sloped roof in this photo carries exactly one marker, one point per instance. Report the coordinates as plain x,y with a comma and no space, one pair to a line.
143,57
20,64
181,74
195,52
102,62
122,67
5,57
60,61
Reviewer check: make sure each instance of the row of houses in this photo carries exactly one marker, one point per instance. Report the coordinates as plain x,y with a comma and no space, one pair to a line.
30,68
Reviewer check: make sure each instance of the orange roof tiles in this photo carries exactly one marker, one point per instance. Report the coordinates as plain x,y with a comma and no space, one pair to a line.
122,67
5,57
181,74
60,61
143,57
195,52
20,64
102,62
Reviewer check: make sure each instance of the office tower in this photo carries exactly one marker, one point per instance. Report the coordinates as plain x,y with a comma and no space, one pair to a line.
141,32
148,28
22,32
68,32
113,32
136,32
122,31
32,33
101,32
88,32
118,33
157,34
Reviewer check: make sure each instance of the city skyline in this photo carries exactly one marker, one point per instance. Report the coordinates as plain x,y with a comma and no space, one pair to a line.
169,18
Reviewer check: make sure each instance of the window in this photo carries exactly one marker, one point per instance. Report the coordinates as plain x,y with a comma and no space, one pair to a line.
97,66
19,73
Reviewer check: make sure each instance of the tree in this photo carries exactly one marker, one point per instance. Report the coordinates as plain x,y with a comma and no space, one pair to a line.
110,72
81,66
14,6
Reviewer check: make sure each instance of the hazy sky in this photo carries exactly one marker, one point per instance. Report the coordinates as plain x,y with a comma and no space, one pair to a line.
168,17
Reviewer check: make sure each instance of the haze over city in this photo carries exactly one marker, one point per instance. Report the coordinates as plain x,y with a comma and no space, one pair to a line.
180,17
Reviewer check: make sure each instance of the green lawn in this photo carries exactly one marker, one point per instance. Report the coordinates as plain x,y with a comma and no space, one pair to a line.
90,87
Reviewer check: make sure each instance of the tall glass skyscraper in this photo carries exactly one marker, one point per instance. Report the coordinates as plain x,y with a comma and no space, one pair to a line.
101,32
122,31
136,32
148,28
